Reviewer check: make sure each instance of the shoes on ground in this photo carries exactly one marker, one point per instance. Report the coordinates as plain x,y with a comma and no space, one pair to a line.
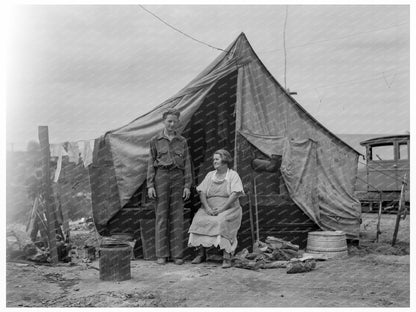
198,259
161,261
178,261
226,263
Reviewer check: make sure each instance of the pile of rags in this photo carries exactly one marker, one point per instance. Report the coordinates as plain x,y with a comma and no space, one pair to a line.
274,253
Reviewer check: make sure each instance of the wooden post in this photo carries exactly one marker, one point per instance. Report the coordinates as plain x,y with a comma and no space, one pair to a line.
250,210
256,210
399,211
379,216
46,186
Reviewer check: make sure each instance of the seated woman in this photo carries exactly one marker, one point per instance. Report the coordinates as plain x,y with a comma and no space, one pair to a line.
217,221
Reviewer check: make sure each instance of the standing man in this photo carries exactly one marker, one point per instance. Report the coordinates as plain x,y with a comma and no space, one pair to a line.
169,180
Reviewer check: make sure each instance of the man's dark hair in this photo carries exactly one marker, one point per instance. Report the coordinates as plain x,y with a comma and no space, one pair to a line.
171,111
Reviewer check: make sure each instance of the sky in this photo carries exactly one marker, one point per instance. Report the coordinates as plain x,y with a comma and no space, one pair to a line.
85,69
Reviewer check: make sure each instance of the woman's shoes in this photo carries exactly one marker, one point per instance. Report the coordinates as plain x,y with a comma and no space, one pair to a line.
161,261
198,259
226,263
201,257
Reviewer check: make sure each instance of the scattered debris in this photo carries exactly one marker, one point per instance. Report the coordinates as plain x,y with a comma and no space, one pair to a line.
15,243
274,253
309,256
274,265
73,253
277,253
82,224
37,254
298,266
278,243
89,253
92,267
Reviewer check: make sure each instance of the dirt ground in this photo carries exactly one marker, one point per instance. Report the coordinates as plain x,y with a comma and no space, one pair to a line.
373,275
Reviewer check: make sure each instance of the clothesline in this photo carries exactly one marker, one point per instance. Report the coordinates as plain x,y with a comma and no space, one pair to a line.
76,151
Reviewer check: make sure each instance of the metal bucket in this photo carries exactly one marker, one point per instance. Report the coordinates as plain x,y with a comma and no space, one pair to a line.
115,262
333,244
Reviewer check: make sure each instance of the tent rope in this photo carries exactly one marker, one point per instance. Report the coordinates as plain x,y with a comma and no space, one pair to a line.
180,31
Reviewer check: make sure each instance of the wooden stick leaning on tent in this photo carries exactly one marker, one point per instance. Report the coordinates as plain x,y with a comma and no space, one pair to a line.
262,165
380,207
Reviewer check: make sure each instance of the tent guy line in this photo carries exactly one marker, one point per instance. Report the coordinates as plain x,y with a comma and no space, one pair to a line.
379,76
180,31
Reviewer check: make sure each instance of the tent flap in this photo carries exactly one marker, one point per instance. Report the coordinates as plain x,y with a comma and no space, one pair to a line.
313,188
299,171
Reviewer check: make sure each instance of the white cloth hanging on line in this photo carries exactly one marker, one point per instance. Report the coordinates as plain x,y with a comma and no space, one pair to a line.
75,151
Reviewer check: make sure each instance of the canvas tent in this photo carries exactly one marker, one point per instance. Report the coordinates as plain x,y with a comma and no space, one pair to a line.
236,104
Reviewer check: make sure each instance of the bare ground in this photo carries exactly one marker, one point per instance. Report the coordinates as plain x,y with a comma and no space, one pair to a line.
373,275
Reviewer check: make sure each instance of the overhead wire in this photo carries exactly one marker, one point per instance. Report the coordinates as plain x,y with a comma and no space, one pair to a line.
311,43
379,76
180,31
337,38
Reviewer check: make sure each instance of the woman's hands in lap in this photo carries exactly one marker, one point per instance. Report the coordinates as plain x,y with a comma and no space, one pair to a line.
212,211
218,210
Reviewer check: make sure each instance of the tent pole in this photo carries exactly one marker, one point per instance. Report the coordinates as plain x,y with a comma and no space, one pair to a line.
235,150
237,108
250,208
256,210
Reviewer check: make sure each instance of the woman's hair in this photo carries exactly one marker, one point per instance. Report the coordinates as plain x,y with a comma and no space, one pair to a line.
171,111
225,157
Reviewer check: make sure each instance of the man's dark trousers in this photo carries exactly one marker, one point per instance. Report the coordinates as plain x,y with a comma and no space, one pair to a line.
169,185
